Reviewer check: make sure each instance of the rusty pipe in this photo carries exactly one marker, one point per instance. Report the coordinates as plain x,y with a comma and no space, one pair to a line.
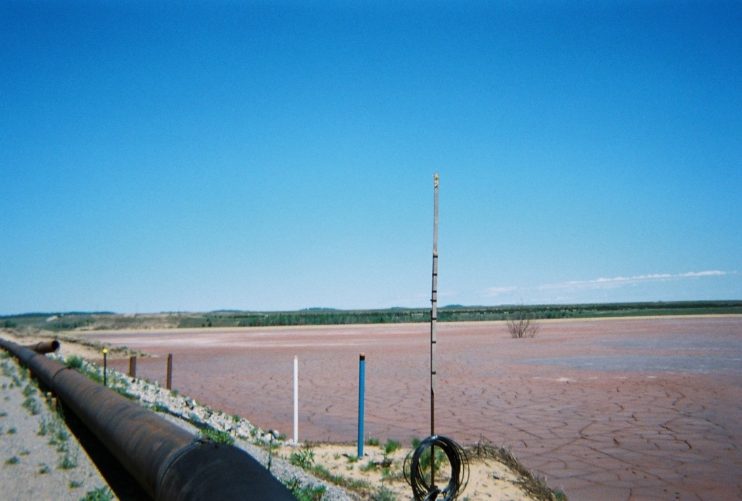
167,461
44,346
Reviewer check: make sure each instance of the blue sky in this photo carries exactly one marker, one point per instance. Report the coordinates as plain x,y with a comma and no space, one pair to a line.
264,156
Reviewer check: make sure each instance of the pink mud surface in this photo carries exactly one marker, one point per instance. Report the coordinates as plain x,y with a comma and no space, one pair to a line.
605,409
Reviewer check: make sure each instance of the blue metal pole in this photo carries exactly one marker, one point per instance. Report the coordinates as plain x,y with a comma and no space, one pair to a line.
361,393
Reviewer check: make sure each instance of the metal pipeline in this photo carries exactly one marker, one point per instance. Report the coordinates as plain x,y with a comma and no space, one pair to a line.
167,461
44,346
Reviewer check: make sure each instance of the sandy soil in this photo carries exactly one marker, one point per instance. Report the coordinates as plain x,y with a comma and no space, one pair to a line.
623,408
488,477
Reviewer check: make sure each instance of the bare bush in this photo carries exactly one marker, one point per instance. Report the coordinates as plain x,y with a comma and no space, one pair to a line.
520,324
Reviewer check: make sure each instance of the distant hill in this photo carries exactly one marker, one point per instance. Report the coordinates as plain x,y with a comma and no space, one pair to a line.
64,321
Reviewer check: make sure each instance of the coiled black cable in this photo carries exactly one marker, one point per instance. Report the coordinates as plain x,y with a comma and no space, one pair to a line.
415,474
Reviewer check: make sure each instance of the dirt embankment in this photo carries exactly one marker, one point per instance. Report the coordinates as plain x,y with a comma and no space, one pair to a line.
71,344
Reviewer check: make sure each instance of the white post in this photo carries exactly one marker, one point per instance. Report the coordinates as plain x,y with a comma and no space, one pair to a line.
296,399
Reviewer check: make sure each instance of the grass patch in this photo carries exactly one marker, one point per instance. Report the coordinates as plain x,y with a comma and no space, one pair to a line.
360,486
216,436
8,370
305,492
391,474
425,458
99,494
43,427
370,466
92,371
124,393
158,407
32,405
68,460
59,434
372,441
303,458
74,362
12,460
383,494
391,446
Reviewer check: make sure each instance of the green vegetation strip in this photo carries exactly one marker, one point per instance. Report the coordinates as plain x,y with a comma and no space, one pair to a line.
56,322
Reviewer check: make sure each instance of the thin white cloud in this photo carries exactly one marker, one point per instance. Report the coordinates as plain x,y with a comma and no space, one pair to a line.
711,273
496,291
611,282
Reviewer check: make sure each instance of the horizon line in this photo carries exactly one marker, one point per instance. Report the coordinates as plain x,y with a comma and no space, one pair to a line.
328,309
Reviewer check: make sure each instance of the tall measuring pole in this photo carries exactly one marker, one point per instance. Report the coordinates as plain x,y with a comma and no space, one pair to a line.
433,321
434,304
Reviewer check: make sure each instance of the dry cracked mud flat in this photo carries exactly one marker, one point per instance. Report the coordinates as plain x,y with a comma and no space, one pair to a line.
605,409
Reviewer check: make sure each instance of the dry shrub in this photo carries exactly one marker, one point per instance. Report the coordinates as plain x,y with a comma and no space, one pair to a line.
520,324
531,483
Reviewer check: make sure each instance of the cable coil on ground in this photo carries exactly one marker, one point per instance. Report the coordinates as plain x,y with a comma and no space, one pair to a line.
416,468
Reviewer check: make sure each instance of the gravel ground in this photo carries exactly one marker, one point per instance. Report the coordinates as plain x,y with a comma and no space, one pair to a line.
39,457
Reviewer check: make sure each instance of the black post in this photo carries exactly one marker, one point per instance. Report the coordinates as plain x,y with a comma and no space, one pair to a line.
105,367
169,382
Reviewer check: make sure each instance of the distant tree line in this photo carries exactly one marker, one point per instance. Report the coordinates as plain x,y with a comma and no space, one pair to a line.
328,316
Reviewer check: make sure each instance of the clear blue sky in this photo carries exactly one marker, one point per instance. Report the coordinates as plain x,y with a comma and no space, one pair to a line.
261,155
